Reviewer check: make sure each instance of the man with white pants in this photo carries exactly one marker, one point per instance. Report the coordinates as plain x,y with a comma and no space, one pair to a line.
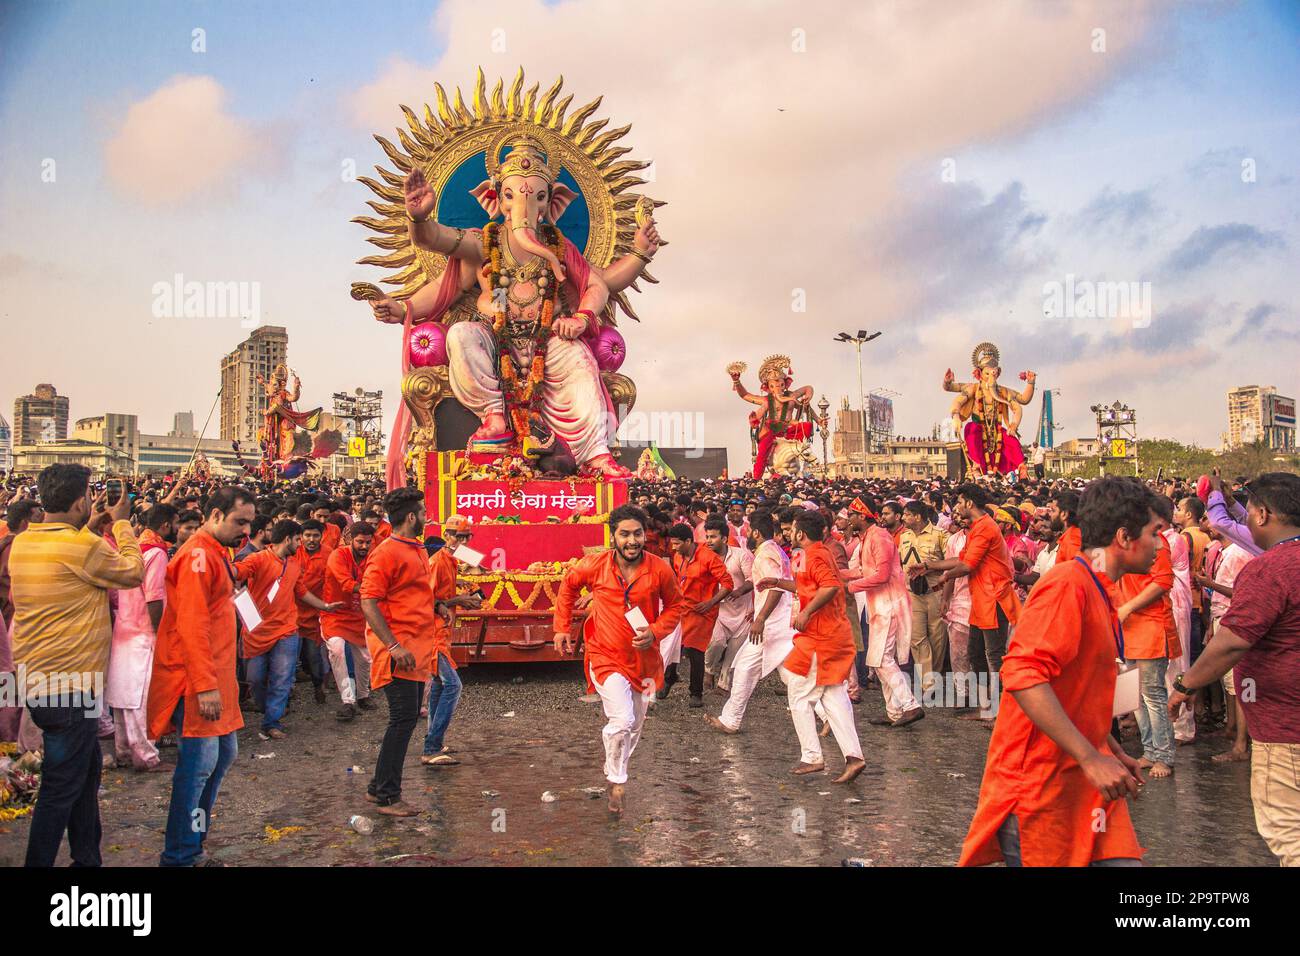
878,574
735,615
346,627
817,668
771,637
634,605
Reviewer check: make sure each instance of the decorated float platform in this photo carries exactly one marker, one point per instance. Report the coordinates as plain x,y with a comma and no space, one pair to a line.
532,259
530,531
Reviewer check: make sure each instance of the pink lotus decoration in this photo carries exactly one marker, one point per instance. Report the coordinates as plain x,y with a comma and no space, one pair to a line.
428,345
610,349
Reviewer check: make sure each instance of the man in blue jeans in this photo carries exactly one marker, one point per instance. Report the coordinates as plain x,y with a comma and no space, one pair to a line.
444,686
276,584
193,691
201,765
61,571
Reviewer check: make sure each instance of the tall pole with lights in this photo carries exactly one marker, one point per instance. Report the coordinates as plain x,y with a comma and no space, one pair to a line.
824,427
862,337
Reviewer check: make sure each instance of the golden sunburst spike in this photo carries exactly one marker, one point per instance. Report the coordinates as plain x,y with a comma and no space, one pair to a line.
577,119
497,101
481,110
513,106
543,115
445,112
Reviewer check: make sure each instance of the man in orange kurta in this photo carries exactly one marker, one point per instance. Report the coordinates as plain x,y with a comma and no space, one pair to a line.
1055,779
401,634
817,668
311,556
1062,510
703,580
994,606
445,684
344,630
622,663
276,585
193,689
1150,640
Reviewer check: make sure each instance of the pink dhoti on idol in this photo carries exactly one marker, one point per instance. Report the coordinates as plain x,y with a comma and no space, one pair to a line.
1011,457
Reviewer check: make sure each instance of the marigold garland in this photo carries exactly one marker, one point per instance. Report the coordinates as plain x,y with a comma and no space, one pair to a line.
522,402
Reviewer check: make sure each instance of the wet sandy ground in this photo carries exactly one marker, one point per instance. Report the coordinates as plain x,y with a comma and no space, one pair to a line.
695,796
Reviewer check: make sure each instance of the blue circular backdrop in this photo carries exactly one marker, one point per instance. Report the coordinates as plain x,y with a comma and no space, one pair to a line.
456,207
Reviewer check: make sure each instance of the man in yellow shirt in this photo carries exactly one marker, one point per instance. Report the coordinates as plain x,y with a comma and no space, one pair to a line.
62,571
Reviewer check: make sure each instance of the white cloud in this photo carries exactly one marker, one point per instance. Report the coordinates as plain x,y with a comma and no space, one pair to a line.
180,141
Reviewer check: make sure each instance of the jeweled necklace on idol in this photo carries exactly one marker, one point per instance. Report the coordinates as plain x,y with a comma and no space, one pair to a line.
522,401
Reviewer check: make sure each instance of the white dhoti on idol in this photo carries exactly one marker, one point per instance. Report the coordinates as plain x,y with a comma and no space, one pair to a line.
573,398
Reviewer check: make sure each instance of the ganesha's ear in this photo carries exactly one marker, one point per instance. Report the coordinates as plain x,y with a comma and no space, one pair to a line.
486,194
561,196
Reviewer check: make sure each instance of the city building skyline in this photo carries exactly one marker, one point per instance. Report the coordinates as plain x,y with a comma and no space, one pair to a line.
243,399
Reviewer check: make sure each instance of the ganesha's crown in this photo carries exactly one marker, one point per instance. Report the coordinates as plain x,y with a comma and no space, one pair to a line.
526,158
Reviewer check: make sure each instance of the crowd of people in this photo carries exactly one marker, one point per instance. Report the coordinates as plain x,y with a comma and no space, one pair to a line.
1064,615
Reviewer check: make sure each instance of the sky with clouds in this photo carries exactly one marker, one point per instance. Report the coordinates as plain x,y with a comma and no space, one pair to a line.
928,169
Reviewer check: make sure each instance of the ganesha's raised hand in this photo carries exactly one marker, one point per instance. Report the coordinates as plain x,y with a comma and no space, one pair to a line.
420,199
646,241
569,326
948,378
389,311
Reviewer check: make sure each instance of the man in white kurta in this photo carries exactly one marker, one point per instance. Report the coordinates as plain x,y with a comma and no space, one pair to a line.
130,660
771,634
877,574
735,615
1180,597
957,615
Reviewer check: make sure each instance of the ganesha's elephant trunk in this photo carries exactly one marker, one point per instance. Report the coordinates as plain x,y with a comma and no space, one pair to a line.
527,239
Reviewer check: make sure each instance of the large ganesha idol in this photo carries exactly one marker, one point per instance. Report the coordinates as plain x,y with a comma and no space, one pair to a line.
513,318
782,425
987,415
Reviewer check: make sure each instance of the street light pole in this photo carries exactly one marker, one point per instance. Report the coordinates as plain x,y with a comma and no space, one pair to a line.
858,341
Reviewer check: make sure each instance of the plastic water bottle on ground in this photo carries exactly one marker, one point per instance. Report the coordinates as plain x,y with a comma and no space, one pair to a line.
363,825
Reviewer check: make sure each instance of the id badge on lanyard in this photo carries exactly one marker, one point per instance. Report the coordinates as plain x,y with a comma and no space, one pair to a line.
245,606
1128,686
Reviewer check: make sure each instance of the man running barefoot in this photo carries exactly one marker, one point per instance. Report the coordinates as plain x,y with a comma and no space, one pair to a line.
817,669
622,661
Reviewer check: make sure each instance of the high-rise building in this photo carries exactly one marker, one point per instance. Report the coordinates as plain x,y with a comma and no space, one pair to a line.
848,441
112,430
40,417
182,426
1259,413
6,446
243,400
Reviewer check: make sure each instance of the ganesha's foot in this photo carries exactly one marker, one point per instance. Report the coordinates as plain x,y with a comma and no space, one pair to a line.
605,465
493,432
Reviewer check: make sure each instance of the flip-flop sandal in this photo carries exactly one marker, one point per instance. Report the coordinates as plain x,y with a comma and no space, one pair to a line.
439,760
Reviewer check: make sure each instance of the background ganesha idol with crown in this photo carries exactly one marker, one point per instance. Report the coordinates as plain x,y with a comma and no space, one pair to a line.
525,360
987,415
783,414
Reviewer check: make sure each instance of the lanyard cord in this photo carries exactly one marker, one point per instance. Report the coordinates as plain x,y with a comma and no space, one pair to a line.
1119,637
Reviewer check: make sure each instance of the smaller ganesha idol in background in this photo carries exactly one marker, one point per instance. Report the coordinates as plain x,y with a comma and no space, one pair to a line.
783,415
987,415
